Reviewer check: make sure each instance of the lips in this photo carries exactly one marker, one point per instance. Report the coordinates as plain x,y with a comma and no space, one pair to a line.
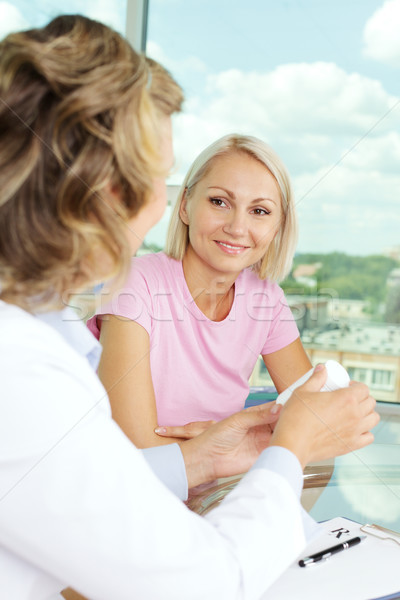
230,248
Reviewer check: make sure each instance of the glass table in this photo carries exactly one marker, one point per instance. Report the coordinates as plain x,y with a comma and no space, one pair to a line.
363,485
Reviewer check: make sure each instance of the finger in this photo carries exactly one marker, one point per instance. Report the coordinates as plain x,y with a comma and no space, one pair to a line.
263,414
316,381
187,432
361,388
368,405
170,432
270,406
364,440
371,421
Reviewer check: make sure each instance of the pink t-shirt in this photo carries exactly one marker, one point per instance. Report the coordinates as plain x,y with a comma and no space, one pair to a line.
200,368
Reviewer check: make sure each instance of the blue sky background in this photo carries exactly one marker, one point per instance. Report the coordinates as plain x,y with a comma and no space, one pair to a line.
319,81
260,34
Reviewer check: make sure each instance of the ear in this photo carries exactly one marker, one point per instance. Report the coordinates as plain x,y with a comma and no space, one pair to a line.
183,210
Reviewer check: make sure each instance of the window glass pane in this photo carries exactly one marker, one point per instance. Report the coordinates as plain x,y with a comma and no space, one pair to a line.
319,82
23,14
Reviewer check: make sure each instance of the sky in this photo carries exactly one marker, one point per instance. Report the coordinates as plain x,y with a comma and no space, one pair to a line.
319,81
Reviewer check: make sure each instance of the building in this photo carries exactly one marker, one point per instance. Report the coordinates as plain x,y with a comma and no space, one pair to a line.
369,351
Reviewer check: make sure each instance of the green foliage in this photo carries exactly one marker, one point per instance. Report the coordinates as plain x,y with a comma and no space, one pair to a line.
291,286
353,277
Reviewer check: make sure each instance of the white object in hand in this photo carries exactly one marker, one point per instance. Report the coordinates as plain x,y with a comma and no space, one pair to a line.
337,377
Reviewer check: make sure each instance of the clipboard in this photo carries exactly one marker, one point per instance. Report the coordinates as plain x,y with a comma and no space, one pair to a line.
368,571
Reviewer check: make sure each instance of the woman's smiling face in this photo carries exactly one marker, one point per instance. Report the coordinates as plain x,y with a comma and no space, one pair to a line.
233,213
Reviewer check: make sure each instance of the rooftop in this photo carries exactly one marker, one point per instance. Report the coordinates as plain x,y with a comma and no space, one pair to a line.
364,338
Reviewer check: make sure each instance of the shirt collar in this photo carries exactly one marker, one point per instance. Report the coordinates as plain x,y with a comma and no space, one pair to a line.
74,332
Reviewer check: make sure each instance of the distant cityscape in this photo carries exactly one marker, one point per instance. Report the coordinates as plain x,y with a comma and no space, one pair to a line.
347,330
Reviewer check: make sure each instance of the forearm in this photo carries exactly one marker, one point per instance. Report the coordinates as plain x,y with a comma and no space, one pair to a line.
287,365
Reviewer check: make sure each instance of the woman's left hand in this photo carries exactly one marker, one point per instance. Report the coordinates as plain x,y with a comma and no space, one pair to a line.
184,432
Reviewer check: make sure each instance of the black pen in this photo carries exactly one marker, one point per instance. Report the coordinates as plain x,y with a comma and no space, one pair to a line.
324,554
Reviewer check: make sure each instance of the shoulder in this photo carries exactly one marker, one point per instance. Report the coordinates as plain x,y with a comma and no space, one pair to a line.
47,387
19,326
151,268
26,341
151,277
153,261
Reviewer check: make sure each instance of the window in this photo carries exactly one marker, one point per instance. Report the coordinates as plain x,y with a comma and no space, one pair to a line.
382,379
376,379
24,14
319,82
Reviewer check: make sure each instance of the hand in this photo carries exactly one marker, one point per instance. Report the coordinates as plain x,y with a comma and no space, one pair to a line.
317,425
231,446
185,432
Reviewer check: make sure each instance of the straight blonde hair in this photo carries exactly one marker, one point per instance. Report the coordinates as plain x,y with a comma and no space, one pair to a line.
79,120
277,261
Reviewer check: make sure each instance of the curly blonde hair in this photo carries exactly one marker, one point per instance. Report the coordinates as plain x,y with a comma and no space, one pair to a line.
79,118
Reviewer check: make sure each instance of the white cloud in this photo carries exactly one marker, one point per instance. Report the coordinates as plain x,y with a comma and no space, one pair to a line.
310,113
337,132
354,210
318,97
381,34
11,19
376,154
178,68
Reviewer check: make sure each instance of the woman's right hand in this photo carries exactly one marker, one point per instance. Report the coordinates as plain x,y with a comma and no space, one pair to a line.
317,425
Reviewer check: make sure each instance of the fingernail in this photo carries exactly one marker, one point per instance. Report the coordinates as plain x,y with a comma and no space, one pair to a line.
160,430
275,409
319,367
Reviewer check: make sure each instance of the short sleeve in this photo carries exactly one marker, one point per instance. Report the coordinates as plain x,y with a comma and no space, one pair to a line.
283,330
133,301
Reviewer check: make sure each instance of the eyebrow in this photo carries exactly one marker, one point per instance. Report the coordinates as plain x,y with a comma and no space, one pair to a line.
232,195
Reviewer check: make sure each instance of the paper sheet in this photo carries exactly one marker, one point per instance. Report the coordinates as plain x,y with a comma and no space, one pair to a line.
367,571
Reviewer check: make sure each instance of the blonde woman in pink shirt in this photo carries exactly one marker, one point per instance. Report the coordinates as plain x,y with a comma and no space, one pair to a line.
189,324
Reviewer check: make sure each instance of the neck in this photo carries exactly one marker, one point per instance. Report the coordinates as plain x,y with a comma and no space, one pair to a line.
212,291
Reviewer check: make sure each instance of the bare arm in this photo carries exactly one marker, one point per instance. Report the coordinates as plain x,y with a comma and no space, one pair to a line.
287,365
125,373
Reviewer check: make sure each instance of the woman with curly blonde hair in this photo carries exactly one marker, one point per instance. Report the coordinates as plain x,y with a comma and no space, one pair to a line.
85,145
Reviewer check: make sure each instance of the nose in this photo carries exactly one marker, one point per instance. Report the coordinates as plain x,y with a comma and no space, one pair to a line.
235,223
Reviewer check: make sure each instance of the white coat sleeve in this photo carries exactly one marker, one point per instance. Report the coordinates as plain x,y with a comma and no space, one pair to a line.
168,464
79,502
